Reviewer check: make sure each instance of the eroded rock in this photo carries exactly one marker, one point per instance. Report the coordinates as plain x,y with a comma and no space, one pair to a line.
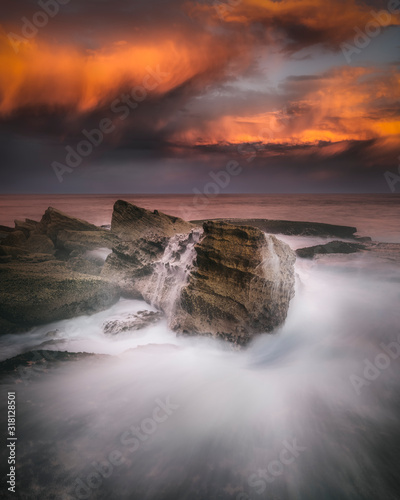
137,321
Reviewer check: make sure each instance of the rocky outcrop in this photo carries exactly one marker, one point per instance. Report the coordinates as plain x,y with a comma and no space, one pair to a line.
132,322
54,221
59,236
294,228
331,247
239,283
42,292
132,222
142,238
226,280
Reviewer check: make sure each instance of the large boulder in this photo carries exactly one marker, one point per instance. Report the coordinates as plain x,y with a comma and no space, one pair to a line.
233,282
42,292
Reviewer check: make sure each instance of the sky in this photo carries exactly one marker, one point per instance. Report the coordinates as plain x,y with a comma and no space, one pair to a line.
177,96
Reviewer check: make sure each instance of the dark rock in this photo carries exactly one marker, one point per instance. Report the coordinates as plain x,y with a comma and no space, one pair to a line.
26,226
332,247
14,239
137,321
363,239
293,228
39,293
54,221
36,363
5,259
6,229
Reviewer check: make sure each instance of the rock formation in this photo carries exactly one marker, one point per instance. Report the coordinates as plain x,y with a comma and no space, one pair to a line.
230,281
294,228
331,247
131,222
219,279
45,272
142,238
38,293
241,284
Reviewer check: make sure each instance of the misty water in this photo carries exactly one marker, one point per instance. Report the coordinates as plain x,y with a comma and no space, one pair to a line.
310,412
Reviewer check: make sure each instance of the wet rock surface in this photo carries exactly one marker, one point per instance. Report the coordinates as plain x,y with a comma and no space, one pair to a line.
132,322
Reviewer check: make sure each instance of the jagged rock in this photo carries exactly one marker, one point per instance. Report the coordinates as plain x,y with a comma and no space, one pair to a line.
26,226
54,221
132,222
39,293
331,247
137,321
240,283
143,236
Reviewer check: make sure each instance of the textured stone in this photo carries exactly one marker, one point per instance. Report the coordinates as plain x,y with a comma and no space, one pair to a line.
38,293
240,284
134,222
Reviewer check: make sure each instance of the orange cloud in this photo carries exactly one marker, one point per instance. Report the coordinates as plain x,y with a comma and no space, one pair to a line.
346,104
59,76
330,21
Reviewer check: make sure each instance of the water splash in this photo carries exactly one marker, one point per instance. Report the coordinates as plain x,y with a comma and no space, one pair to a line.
172,270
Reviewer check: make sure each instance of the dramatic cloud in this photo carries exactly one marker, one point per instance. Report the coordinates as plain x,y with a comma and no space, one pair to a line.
194,81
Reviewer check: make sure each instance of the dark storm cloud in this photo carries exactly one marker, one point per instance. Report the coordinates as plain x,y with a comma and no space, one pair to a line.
334,123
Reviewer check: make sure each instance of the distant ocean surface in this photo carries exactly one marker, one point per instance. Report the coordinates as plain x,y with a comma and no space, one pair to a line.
375,215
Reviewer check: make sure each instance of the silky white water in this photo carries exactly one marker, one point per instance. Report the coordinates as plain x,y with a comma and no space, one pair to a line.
292,416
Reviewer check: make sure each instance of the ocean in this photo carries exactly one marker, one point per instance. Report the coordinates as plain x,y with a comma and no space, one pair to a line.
375,215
